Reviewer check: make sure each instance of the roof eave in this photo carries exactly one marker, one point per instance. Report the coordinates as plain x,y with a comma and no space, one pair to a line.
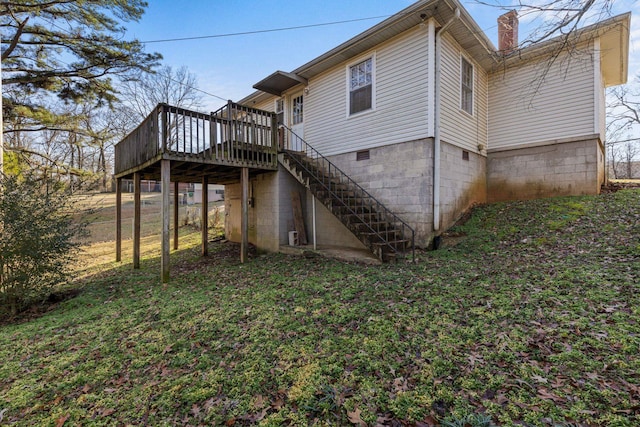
614,44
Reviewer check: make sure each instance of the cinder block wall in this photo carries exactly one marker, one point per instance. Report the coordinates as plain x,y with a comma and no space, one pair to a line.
574,167
463,182
329,230
287,184
401,177
270,216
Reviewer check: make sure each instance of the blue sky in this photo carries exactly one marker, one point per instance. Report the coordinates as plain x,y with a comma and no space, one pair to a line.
229,66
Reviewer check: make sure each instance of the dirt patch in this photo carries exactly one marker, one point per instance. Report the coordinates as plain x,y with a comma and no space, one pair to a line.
613,186
219,251
39,309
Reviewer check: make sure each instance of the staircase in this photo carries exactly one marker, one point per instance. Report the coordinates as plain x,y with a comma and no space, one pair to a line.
379,229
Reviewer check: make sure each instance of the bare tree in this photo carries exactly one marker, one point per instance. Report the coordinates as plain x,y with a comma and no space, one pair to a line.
623,123
175,87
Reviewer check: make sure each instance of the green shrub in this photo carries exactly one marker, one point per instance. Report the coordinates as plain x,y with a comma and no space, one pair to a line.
38,241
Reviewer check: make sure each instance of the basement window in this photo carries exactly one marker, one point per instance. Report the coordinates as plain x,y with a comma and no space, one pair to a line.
465,155
362,155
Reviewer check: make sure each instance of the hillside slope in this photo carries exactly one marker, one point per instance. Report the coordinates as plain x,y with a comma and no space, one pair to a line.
531,318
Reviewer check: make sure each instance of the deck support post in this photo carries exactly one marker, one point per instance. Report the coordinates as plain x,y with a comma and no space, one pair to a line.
136,220
313,220
165,178
204,215
176,208
118,219
244,222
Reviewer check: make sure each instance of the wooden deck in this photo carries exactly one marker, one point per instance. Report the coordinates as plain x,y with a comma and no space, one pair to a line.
177,145
199,144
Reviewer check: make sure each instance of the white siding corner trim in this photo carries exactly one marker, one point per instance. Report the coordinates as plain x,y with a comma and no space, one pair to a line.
431,77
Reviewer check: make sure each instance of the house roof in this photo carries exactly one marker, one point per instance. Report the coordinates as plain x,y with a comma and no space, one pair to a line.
613,33
465,30
614,47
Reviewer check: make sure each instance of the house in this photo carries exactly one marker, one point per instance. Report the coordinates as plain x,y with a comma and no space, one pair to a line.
385,140
426,115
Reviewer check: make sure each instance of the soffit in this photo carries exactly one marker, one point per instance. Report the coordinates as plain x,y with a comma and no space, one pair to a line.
614,51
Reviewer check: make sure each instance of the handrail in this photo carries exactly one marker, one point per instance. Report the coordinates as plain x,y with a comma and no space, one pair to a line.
327,179
233,135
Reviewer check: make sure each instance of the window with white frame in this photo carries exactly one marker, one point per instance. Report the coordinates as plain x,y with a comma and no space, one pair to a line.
466,85
279,107
361,86
297,110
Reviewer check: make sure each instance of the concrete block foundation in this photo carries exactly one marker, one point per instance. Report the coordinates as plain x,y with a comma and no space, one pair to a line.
558,168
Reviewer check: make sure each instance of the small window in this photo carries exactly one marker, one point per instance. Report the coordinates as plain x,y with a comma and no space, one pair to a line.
279,107
466,86
297,110
361,86
465,155
362,155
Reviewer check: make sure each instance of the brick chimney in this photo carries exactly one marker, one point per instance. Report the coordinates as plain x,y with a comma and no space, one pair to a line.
508,32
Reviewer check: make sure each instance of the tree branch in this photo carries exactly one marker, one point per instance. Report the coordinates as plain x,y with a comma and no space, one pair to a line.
14,40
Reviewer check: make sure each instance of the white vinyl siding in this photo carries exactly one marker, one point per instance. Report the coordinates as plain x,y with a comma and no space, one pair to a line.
268,105
458,127
523,109
400,100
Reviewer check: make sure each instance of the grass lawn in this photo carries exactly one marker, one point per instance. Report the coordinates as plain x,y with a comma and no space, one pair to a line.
531,319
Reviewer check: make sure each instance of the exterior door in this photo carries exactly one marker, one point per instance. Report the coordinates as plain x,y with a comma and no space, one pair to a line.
297,122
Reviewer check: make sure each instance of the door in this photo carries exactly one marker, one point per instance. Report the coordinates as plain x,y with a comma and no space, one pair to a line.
297,122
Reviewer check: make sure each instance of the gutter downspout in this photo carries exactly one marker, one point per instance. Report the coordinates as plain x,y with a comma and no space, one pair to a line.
436,130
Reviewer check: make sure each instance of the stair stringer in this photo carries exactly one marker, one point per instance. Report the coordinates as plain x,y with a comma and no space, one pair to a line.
355,223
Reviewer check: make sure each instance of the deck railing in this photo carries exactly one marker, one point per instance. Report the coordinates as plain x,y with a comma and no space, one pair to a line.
234,135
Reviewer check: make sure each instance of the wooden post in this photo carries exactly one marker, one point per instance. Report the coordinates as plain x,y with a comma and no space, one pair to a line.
313,219
244,222
176,208
118,219
204,215
136,220
165,178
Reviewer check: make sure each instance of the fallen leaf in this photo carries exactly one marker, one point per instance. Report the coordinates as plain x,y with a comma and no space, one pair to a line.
540,379
195,410
354,417
258,402
277,404
63,419
400,385
545,394
108,412
429,421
